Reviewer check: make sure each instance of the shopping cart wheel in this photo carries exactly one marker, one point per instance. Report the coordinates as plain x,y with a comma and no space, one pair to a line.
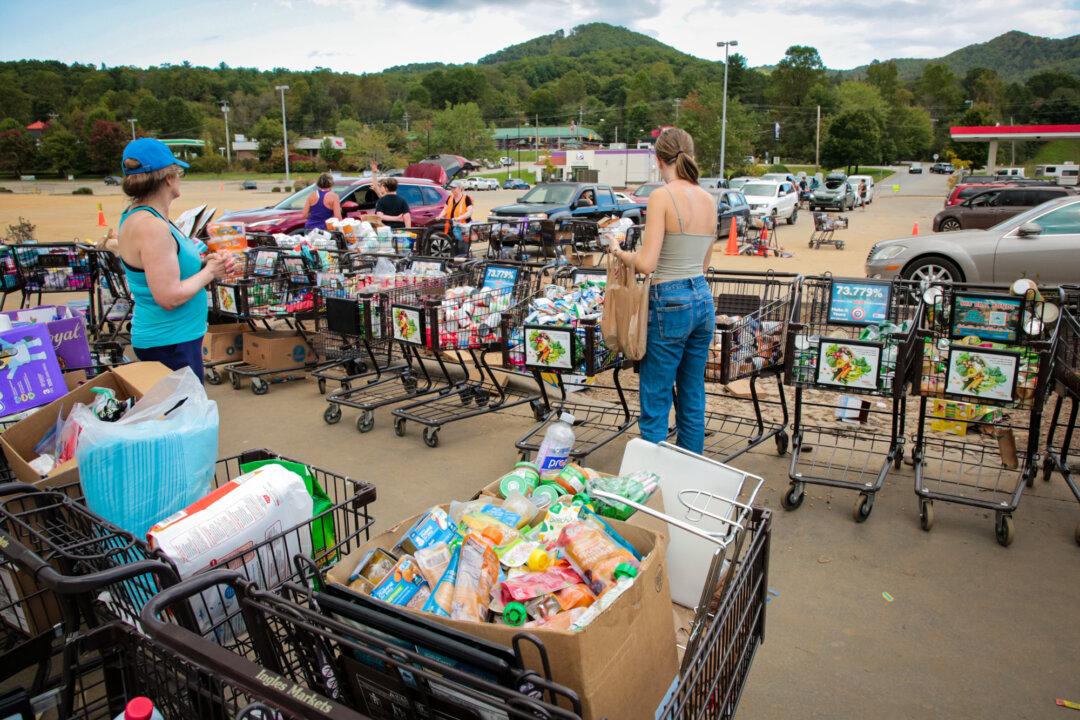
926,515
467,394
839,244
259,386
212,376
537,409
234,379
366,421
431,437
399,427
793,498
409,382
482,397
781,443
1005,530
322,386
863,505
332,414
1048,468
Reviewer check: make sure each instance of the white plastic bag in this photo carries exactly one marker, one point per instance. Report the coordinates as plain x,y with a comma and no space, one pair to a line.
156,460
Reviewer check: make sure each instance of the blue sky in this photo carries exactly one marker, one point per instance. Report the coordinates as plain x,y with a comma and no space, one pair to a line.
369,35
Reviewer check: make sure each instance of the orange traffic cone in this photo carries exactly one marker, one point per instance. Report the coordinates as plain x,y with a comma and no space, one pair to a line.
765,232
100,216
915,229
732,241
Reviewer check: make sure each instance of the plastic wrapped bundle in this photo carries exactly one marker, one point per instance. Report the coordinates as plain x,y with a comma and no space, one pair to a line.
156,460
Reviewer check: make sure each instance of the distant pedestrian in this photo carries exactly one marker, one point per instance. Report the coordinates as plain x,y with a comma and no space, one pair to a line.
862,194
322,204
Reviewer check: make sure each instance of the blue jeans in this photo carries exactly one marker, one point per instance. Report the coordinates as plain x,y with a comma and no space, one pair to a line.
682,320
174,357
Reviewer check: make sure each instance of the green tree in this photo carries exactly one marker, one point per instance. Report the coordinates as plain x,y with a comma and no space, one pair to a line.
542,103
977,114
800,69
267,132
885,77
14,103
106,146
853,138
937,87
60,149
17,147
365,144
179,120
461,130
330,154
700,116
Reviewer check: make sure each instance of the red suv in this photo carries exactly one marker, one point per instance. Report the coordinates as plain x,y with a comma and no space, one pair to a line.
963,191
425,198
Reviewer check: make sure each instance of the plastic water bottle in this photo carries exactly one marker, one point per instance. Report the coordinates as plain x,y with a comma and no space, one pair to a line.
140,708
555,449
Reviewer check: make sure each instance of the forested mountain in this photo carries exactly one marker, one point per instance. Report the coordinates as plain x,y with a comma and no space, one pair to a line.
618,82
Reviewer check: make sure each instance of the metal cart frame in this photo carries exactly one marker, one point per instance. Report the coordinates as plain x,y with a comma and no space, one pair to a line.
1066,383
825,228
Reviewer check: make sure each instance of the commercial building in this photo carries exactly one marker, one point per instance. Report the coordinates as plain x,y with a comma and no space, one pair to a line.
544,137
614,165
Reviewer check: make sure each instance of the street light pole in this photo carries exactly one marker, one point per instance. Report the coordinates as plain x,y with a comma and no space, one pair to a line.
284,128
228,145
727,44
133,121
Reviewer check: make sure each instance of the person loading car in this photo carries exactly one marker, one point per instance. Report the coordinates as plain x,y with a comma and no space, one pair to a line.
391,207
458,209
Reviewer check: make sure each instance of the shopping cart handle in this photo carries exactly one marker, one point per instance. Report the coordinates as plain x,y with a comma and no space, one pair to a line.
720,539
11,488
162,601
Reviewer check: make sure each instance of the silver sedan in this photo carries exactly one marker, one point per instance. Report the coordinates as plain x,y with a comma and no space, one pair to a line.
1042,244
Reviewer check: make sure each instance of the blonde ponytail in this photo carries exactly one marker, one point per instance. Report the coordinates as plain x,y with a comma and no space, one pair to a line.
675,147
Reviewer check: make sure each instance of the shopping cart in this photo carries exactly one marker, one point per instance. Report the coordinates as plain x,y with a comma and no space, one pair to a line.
1062,439
587,239
825,228
469,319
52,268
752,314
524,240
983,361
570,355
761,237
849,349
108,317
468,239
10,281
399,371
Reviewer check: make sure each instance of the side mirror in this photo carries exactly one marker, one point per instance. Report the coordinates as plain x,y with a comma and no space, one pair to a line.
723,207
520,199
1029,229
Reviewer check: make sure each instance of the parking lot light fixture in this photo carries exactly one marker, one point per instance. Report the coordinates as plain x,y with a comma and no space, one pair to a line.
727,45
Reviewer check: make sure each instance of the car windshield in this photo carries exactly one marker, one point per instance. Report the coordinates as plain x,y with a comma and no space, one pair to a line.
833,182
759,189
736,183
296,200
549,194
646,190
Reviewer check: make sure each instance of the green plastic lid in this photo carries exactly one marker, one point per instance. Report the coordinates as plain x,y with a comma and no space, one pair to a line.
625,569
514,614
545,492
526,464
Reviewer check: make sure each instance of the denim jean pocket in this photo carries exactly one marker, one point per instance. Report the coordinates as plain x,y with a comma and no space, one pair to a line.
674,320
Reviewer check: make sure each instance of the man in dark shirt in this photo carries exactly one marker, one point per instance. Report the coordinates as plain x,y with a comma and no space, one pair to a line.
391,207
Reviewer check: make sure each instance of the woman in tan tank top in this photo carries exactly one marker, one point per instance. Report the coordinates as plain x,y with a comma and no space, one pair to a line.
680,230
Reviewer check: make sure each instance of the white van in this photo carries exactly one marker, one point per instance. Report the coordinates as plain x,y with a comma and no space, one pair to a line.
869,185
1013,172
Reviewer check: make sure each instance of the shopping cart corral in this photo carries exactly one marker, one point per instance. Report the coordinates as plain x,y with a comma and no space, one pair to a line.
1062,438
849,349
468,319
559,347
983,362
752,314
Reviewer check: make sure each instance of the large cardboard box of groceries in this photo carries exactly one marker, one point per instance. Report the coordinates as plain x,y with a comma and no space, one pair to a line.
621,664
127,381
224,343
276,350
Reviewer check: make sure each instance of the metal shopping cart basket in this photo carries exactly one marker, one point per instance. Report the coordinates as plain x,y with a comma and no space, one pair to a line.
752,314
825,228
1062,439
468,319
983,362
849,349
524,240
52,268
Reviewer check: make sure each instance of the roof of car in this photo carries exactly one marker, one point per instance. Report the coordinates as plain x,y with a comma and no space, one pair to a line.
400,178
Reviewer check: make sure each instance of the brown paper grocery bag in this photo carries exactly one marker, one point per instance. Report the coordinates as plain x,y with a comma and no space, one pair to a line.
625,320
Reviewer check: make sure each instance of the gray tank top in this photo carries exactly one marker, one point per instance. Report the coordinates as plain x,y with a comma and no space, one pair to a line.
683,254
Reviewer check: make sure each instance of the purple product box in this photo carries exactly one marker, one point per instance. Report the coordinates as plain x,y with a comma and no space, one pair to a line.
30,376
68,331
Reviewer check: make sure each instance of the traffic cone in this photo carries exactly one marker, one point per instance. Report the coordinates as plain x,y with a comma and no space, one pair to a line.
732,241
915,229
100,216
765,232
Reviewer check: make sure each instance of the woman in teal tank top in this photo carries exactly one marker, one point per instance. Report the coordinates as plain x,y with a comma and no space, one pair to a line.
167,277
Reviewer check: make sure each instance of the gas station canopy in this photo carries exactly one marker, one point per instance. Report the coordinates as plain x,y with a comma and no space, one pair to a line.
995,133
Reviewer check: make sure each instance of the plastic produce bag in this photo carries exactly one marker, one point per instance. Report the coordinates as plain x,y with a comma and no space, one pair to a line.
156,460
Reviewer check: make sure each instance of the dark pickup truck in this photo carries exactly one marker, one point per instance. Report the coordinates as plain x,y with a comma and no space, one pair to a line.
564,201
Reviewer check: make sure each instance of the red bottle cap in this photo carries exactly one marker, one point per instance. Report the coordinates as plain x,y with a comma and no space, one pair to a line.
140,708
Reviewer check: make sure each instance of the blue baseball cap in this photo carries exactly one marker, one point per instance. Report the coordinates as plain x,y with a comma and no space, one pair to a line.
152,155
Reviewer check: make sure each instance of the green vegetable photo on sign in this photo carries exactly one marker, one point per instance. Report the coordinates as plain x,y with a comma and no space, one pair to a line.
549,348
848,364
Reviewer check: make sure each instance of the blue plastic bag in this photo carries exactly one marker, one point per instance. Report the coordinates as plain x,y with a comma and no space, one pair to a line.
156,460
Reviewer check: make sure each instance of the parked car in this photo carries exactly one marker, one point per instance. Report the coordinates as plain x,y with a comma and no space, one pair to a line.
249,185
459,182
780,177
833,193
993,206
624,198
641,195
731,206
1010,172
1041,243
963,191
515,184
853,185
482,183
425,198
112,180
942,168
870,186
563,201
776,199
736,183
915,168
712,183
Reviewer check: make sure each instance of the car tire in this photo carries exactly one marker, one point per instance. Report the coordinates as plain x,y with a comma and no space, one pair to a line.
949,224
931,269
793,216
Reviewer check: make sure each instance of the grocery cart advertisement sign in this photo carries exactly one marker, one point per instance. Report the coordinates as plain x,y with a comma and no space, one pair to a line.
855,302
848,364
225,295
30,375
408,324
500,277
983,374
993,318
549,348
428,267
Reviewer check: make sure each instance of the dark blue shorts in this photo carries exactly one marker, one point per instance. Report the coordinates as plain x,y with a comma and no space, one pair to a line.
174,357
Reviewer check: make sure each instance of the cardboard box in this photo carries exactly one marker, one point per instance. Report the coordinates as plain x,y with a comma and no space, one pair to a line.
224,343
67,329
621,664
30,375
18,441
276,350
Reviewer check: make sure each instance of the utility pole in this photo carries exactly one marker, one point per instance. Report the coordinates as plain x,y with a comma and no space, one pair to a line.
817,142
678,101
228,143
133,121
727,45
284,128
406,122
